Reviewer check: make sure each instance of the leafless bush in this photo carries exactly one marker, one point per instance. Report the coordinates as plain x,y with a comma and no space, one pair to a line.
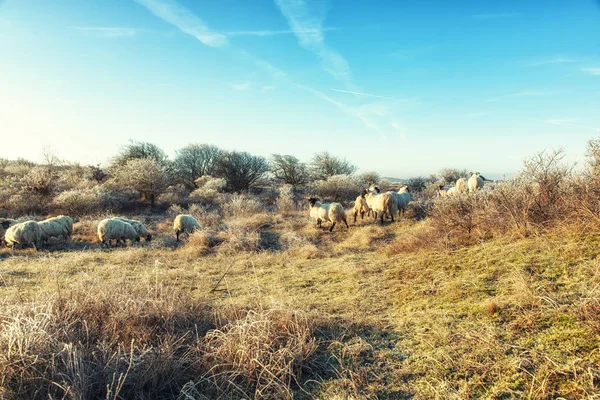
285,200
337,188
210,190
241,205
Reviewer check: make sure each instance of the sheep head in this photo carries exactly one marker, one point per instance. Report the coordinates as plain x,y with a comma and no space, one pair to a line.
312,200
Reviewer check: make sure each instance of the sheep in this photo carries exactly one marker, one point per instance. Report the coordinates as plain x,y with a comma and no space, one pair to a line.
360,206
452,191
442,191
381,203
402,199
461,185
139,227
5,223
23,234
331,212
112,228
476,182
61,226
185,223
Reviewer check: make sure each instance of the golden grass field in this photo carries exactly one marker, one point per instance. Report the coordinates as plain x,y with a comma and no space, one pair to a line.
369,312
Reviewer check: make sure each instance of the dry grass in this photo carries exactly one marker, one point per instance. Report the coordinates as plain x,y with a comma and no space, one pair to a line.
265,306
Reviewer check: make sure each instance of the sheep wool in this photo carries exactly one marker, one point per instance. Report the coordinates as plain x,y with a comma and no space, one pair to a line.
461,185
360,206
185,223
115,229
52,228
23,234
476,182
139,227
381,204
328,212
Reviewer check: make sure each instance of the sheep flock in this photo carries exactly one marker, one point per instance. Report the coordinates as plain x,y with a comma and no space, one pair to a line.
117,231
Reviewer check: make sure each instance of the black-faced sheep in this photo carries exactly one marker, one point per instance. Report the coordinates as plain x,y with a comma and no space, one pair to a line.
328,212
115,229
23,234
185,223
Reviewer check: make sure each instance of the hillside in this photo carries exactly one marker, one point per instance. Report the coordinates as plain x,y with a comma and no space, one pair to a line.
364,313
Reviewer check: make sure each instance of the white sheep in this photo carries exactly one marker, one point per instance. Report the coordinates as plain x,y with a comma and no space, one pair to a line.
328,212
402,199
476,182
461,185
5,223
112,228
185,223
360,206
23,234
139,227
381,203
55,227
452,191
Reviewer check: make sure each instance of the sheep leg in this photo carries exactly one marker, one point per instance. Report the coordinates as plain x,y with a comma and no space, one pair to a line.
355,214
381,216
346,222
177,235
362,215
392,215
332,225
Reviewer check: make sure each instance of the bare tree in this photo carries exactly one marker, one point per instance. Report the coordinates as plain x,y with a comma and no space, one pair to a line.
241,170
288,169
324,165
145,175
194,161
135,150
451,175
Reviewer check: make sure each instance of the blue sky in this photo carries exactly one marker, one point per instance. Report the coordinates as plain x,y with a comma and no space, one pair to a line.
400,87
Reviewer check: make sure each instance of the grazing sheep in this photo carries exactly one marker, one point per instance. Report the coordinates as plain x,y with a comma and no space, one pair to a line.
442,191
23,234
139,227
381,203
329,212
5,223
452,191
476,182
112,228
185,223
360,206
461,185
52,227
67,222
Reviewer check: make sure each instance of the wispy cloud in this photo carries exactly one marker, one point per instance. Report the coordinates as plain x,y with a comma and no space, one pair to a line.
107,31
501,15
308,28
275,32
570,122
366,94
591,71
556,60
175,14
267,88
532,93
475,114
242,86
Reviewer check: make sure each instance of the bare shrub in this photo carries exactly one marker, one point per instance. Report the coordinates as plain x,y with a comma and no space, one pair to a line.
210,190
337,188
206,217
461,218
241,205
175,194
238,238
261,353
145,175
285,200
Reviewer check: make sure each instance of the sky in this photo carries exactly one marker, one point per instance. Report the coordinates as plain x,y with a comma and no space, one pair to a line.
403,87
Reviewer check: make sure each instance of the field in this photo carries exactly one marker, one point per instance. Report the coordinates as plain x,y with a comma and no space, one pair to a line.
369,312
